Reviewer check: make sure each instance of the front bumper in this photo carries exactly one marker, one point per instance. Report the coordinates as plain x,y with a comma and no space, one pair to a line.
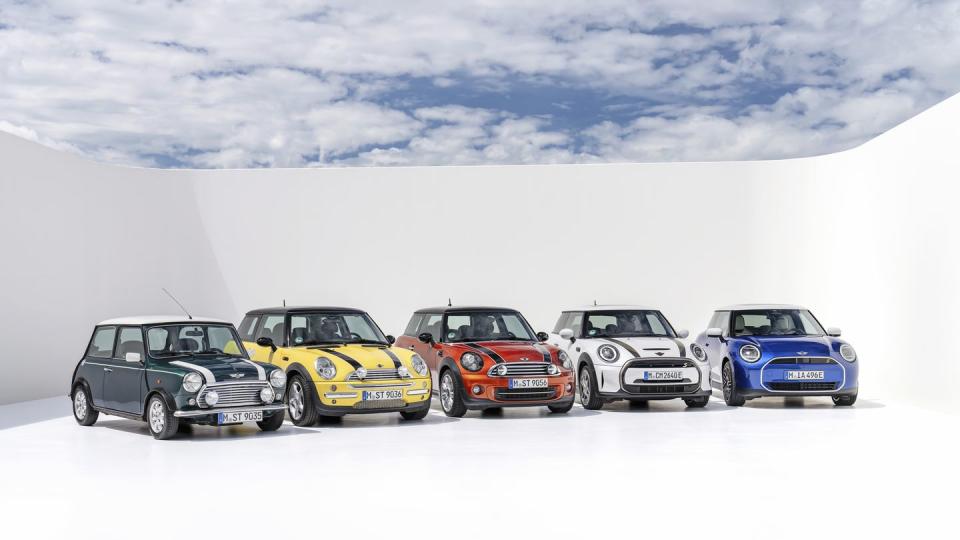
209,416
626,381
769,377
340,398
495,391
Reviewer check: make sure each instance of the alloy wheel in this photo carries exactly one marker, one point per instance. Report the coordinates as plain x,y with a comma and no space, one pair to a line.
584,386
295,401
727,382
80,403
158,417
446,392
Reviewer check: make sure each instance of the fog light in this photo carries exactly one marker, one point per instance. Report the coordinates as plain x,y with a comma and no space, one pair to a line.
477,389
267,395
552,369
333,388
191,401
569,387
211,397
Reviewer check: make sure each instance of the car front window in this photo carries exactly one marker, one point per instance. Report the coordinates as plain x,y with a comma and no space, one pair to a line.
775,322
324,328
627,323
486,326
174,340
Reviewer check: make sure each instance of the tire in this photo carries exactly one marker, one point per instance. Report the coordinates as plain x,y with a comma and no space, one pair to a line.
300,405
730,394
561,409
587,388
160,419
415,415
844,401
697,402
451,398
83,411
272,423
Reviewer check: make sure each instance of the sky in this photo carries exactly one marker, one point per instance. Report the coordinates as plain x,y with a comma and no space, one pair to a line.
216,84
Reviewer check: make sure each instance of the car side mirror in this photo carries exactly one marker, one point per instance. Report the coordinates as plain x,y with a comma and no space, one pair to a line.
714,332
266,342
567,333
391,340
833,331
543,336
132,357
426,337
683,333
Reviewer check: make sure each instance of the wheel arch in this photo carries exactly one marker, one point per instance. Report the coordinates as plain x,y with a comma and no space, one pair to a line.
166,396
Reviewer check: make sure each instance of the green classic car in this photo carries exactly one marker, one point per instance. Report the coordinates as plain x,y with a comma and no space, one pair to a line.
169,371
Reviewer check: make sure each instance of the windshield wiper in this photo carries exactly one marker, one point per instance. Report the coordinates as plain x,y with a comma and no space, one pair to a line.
212,350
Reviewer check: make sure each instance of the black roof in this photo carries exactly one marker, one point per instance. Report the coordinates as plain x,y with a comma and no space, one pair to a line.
304,309
458,309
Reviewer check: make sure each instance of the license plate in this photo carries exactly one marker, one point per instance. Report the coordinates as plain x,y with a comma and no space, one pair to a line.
378,395
663,375
527,383
805,375
238,417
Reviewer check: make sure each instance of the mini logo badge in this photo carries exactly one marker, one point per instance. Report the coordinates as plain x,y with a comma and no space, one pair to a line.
802,353
524,359
659,354
236,375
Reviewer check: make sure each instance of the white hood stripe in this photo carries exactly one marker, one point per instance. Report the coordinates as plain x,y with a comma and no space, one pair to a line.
261,374
207,374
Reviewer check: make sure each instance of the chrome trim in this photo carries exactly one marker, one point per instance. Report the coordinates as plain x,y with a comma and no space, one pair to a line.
843,381
533,369
256,386
340,395
626,365
420,392
364,386
205,412
376,375
112,365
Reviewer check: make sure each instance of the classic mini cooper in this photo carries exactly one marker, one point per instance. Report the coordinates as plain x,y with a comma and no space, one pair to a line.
486,357
629,353
338,362
776,350
170,371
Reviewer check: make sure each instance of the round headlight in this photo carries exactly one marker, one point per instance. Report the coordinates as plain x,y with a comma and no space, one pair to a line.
552,369
192,381
267,394
471,361
608,353
847,352
403,372
698,352
211,398
501,370
750,353
418,364
278,378
565,360
325,368
361,373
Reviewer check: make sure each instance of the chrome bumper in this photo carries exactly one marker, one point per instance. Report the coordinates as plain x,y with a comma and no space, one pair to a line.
206,412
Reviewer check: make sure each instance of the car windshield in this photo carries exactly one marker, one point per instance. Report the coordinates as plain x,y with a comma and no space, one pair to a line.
775,322
320,328
627,323
174,340
486,326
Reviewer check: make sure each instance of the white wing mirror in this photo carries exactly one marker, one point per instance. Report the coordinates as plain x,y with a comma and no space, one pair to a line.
714,332
132,357
833,331
566,333
683,333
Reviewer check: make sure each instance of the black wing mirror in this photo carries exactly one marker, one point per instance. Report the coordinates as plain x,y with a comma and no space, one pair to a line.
426,337
391,340
266,342
543,336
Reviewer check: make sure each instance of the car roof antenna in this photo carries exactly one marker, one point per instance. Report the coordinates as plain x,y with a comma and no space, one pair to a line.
284,302
449,302
594,301
189,316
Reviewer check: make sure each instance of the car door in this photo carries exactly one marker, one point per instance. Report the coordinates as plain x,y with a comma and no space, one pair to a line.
273,326
574,321
408,339
123,387
715,346
431,354
98,362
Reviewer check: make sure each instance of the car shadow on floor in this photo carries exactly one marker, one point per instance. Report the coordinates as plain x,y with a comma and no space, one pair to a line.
814,402
660,406
198,433
375,420
522,413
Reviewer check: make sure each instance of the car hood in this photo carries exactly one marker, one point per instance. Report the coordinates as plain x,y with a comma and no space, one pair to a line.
645,347
509,351
367,357
791,346
217,369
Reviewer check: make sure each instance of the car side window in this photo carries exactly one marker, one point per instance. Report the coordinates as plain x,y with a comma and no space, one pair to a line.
575,323
413,325
101,346
272,327
724,322
431,323
131,341
561,323
247,327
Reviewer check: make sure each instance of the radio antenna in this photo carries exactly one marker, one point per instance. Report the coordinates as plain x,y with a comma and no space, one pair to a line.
189,316
449,302
594,302
284,302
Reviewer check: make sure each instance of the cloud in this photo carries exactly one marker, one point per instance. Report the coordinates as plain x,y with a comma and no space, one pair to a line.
209,84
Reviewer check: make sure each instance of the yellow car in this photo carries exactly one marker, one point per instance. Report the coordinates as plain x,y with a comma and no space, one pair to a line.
337,362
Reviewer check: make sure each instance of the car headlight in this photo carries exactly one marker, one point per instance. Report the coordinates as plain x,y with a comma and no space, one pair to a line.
192,381
847,352
552,369
698,352
418,364
565,360
278,378
267,394
750,353
325,368
471,361
608,353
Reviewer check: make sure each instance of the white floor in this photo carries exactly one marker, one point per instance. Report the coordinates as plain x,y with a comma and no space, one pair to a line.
773,469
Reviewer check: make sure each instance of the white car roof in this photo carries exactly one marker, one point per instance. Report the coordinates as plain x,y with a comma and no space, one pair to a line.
610,307
741,307
157,319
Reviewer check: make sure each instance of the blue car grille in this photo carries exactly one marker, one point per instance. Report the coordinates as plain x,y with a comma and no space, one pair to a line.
800,360
803,386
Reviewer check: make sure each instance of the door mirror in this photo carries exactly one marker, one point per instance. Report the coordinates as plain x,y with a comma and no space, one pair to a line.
714,332
833,331
683,333
132,357
426,337
543,336
566,333
391,340
266,342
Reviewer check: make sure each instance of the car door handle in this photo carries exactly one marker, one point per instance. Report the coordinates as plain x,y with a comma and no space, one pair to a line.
410,347
108,370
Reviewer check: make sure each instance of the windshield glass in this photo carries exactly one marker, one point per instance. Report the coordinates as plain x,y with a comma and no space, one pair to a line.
326,328
486,326
193,339
627,323
775,322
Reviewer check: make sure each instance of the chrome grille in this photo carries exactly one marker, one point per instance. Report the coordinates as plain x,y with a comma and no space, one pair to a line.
234,394
521,369
375,375
380,404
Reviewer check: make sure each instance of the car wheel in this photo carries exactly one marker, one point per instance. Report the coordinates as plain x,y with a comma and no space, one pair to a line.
83,411
730,395
160,420
697,402
561,409
844,401
414,415
303,412
587,387
451,401
271,423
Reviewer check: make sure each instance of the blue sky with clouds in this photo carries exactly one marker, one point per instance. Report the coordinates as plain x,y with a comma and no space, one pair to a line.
302,84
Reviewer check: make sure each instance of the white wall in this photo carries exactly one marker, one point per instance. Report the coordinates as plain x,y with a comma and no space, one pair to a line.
866,238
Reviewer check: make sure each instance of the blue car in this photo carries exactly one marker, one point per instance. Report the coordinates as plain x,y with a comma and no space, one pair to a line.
761,350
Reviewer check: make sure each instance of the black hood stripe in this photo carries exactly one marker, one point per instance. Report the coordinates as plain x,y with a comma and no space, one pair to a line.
345,358
493,356
683,350
625,345
396,361
545,352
